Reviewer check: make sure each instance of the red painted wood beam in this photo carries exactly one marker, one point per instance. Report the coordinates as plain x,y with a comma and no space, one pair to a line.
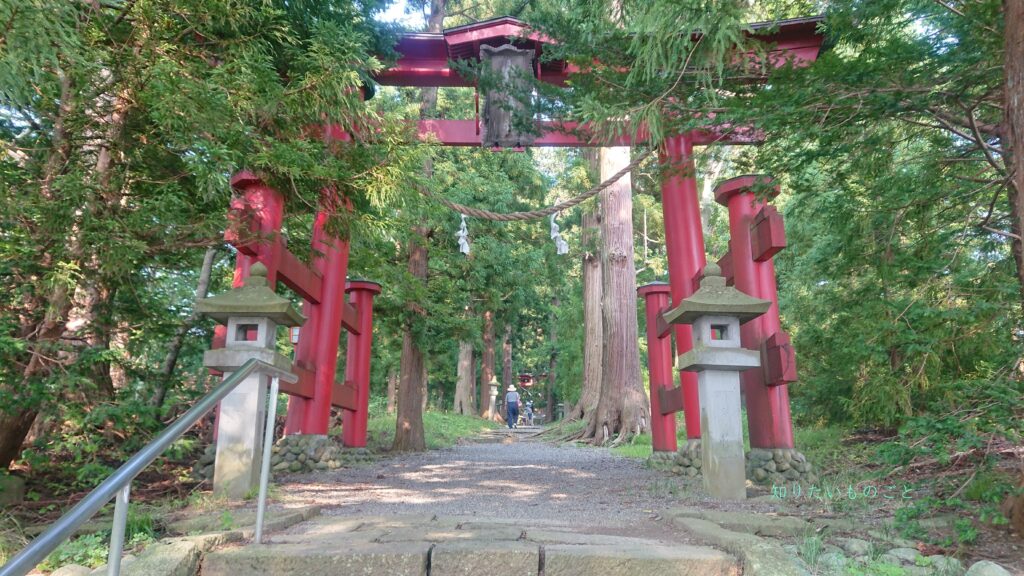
350,318
345,396
298,276
570,135
306,384
663,327
671,400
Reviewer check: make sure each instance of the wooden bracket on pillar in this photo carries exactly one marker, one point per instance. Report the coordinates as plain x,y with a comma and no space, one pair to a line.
664,328
345,396
671,400
767,234
778,359
306,384
725,263
695,282
350,318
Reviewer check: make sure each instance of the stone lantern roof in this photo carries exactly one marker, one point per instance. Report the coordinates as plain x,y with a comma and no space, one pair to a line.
714,298
254,298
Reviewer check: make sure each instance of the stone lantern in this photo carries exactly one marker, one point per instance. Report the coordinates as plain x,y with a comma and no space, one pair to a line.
252,314
494,396
716,311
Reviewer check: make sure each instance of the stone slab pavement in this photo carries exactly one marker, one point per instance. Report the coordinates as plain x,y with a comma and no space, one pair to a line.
448,546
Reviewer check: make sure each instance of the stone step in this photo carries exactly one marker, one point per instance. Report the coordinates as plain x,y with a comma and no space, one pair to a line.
420,546
502,435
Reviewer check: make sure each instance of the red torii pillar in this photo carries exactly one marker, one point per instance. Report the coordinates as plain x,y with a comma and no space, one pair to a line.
317,411
659,358
684,246
756,235
357,363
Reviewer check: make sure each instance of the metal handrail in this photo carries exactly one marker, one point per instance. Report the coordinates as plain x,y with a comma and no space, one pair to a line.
118,483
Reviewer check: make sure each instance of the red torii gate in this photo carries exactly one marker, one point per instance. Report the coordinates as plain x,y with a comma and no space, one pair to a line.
425,61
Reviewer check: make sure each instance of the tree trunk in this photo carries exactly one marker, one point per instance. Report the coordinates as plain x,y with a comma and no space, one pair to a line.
412,381
1013,126
464,383
48,311
178,340
549,400
392,391
472,381
409,425
487,365
14,426
623,408
593,343
506,358
424,390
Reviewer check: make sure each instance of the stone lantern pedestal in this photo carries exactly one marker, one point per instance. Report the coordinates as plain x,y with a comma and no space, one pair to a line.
716,311
252,314
494,398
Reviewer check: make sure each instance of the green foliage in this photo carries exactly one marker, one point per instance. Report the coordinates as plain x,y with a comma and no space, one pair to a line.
811,546
441,429
227,520
966,416
89,550
876,568
639,446
120,125
12,539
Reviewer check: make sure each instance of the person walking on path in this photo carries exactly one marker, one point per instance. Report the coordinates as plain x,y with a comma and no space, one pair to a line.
529,412
512,405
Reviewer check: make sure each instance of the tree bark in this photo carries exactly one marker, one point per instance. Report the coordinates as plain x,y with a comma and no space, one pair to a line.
412,381
1013,126
549,399
424,390
472,381
178,340
409,424
392,391
593,343
45,314
506,358
487,366
464,381
623,408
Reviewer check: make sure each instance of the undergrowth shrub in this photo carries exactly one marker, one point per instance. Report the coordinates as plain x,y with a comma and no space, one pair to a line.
965,415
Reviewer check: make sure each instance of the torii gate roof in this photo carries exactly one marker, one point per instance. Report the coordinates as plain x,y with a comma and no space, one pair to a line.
425,60
424,57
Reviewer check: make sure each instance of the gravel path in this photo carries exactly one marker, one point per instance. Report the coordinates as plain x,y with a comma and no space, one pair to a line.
521,480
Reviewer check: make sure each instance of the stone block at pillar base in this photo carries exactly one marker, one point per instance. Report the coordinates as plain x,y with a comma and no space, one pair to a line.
779,466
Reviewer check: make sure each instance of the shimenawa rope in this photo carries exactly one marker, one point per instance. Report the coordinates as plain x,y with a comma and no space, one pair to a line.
534,214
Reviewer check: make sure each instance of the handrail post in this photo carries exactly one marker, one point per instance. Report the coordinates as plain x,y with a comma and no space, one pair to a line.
268,442
117,533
